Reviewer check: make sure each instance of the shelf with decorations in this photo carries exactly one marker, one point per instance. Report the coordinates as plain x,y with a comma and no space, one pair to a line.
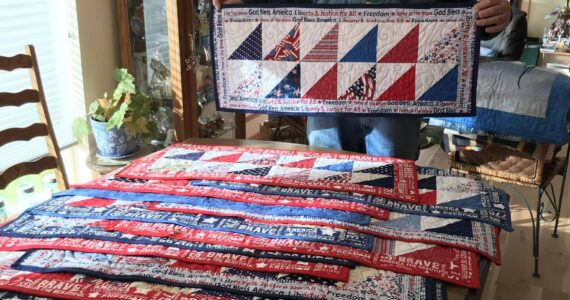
165,45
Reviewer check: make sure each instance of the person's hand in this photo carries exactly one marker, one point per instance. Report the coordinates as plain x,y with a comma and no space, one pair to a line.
218,3
494,14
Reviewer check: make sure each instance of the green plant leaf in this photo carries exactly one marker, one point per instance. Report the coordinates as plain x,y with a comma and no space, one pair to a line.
125,84
140,106
97,112
116,120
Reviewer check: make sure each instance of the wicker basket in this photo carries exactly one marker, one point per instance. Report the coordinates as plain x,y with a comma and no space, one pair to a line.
501,164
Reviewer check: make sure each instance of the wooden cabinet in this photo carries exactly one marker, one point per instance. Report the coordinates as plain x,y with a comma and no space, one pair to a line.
164,44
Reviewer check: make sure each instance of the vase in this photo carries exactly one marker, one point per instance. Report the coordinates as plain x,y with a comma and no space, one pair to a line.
113,143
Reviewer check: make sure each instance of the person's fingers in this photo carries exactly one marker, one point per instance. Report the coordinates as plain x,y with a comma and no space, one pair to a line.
495,29
217,4
496,20
481,4
490,12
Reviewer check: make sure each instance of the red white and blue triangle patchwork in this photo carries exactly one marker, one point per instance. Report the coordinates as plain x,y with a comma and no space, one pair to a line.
381,176
353,60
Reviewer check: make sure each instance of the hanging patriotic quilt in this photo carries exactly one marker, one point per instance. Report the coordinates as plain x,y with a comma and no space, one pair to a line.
381,176
364,283
441,195
346,59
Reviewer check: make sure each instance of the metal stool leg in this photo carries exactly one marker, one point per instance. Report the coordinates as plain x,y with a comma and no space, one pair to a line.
558,207
536,231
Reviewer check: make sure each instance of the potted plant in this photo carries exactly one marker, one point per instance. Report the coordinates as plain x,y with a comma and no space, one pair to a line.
118,123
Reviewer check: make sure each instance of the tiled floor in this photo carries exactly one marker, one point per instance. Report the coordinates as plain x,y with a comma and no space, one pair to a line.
513,279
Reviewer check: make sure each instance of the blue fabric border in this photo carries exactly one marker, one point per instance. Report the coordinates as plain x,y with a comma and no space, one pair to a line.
468,3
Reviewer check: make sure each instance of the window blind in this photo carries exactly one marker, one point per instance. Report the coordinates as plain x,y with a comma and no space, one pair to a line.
50,27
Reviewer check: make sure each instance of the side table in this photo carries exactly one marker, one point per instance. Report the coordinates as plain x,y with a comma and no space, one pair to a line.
104,165
559,61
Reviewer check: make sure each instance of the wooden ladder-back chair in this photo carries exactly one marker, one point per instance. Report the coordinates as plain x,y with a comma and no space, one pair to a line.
44,128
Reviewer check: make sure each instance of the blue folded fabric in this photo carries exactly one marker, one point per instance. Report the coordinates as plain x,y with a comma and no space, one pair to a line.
515,99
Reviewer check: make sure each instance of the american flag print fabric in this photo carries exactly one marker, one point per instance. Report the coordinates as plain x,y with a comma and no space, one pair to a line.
323,60
382,176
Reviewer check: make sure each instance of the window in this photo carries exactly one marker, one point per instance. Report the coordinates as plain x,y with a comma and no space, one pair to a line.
50,26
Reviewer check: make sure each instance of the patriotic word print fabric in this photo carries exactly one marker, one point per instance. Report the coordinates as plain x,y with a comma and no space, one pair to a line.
78,286
364,283
382,176
330,60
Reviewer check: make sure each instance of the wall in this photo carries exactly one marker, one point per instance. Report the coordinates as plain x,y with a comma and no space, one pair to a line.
539,8
99,53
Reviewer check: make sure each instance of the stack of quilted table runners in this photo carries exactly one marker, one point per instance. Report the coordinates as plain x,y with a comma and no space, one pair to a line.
218,222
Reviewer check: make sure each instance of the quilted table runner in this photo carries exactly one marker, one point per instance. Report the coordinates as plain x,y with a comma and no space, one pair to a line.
61,208
159,191
381,176
346,59
37,226
445,263
242,262
364,283
449,264
442,195
465,234
77,286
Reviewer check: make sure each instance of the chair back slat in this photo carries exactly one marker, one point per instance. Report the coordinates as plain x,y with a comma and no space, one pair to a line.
20,61
20,98
23,134
26,168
